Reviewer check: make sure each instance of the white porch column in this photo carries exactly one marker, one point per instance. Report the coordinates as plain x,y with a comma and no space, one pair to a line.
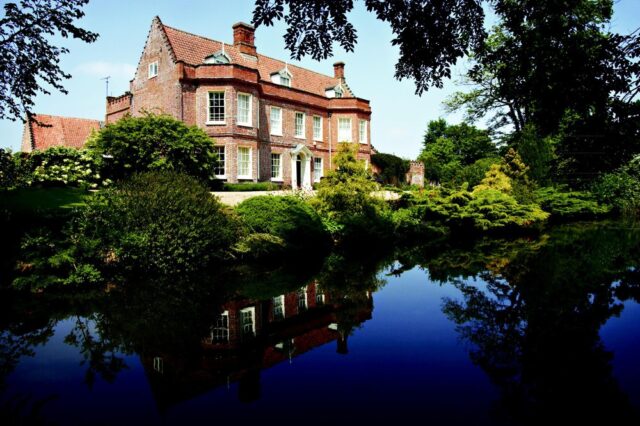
294,175
306,176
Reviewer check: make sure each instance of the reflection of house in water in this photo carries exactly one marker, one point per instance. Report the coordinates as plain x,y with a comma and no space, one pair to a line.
251,335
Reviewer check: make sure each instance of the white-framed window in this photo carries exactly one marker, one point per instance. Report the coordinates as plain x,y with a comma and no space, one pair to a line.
344,130
338,92
276,166
220,330
248,321
299,124
158,364
278,307
244,109
153,69
216,108
244,162
317,128
276,121
219,169
317,169
363,131
302,299
319,297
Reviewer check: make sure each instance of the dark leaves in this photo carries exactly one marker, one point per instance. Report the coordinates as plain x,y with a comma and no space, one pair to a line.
27,58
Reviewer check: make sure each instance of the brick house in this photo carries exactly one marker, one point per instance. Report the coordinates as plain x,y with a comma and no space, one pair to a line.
271,121
47,131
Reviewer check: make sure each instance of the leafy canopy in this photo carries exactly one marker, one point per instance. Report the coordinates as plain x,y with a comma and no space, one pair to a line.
154,142
29,62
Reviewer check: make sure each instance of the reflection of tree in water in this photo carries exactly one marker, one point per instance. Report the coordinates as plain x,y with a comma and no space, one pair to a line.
535,328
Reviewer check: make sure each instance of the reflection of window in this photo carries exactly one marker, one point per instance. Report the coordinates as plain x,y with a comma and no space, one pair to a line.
216,108
158,365
244,163
244,109
319,297
302,299
299,125
344,130
317,169
219,167
248,321
317,128
278,307
220,331
276,166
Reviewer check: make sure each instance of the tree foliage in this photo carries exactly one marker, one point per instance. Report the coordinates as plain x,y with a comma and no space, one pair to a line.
393,169
154,142
431,35
29,62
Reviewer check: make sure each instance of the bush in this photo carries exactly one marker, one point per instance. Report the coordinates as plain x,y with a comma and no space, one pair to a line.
251,186
621,189
8,171
393,169
61,166
159,222
564,204
288,218
155,142
474,173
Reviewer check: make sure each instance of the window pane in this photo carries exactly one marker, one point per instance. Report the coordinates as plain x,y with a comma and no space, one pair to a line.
317,169
363,131
216,106
285,81
278,307
276,120
244,108
219,168
344,130
299,128
317,128
244,162
276,166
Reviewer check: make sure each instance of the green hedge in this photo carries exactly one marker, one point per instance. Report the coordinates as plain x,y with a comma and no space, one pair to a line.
251,186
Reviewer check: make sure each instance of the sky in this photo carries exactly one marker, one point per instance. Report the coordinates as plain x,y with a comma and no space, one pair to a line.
399,116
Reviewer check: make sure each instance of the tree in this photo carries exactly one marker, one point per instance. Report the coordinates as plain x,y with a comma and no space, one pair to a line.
431,35
28,58
393,169
154,142
448,148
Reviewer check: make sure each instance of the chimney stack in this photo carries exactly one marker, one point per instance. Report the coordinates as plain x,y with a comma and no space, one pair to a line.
338,70
244,38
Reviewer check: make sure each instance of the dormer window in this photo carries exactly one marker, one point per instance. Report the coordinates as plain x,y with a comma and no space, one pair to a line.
334,92
217,58
282,77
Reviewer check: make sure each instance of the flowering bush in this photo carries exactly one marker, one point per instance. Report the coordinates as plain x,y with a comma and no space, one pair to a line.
64,166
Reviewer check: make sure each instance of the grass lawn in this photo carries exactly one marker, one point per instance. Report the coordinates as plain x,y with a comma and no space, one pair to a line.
50,200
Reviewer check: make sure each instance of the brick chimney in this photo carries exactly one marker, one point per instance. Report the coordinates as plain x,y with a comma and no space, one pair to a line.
244,38
338,70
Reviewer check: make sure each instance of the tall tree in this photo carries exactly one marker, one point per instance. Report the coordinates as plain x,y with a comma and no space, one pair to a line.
29,61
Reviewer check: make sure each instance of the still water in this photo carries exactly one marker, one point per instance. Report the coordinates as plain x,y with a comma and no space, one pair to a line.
524,331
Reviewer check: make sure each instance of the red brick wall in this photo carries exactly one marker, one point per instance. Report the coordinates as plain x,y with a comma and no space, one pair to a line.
162,93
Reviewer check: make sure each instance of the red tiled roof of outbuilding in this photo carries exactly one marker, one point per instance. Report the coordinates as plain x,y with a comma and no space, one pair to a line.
60,131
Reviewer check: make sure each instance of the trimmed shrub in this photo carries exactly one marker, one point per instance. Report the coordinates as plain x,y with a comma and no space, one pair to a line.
251,186
287,218
393,169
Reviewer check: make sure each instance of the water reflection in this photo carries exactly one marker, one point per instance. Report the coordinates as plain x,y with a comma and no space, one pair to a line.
530,312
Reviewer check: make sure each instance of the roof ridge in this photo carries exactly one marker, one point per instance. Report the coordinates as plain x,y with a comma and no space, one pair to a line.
259,54
65,116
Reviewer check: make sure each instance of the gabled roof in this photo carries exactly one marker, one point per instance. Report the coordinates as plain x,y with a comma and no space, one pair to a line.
193,49
60,131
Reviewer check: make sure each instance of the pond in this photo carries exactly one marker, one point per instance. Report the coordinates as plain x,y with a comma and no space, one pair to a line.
521,331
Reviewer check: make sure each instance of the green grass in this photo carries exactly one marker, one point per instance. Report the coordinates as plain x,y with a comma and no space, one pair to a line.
42,200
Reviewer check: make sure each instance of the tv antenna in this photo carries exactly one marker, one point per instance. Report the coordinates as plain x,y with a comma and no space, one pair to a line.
106,80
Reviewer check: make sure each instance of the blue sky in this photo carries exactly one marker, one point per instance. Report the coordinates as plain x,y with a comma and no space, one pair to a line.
399,116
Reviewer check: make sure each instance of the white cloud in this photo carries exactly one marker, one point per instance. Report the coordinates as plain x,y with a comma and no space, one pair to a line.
102,69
